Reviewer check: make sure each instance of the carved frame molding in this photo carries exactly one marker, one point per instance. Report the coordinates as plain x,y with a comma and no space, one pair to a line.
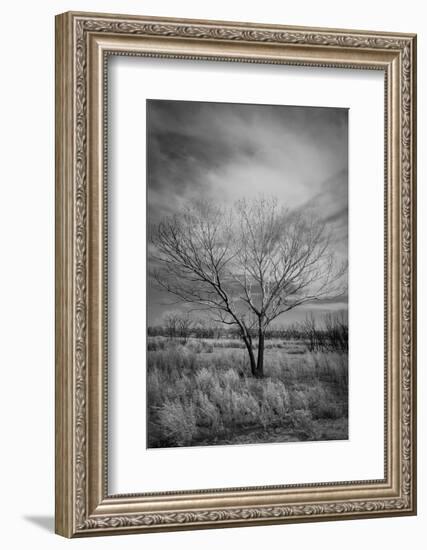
83,42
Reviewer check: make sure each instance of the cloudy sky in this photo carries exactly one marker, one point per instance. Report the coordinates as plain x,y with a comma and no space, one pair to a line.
229,151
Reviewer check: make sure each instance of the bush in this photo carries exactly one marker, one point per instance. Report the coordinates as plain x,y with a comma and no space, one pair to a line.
199,346
244,409
302,423
205,378
276,398
203,398
323,404
155,344
207,414
178,422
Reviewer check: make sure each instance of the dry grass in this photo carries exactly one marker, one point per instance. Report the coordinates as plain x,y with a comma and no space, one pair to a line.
202,394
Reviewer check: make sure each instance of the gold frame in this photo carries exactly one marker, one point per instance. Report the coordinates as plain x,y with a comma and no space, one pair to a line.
83,42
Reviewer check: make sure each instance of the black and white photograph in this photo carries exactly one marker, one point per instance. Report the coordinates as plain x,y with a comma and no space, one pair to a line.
247,274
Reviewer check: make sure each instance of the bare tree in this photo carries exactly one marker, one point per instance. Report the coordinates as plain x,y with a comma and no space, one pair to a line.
177,325
170,322
336,330
311,332
184,327
331,333
246,265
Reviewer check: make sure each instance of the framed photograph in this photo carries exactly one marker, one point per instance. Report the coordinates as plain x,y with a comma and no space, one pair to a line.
235,274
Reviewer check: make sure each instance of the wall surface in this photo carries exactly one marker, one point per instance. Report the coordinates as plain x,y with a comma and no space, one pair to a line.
27,273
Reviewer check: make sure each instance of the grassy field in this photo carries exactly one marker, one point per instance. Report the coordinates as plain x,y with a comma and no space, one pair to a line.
200,392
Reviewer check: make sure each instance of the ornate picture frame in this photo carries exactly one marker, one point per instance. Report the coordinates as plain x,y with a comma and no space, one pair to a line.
84,42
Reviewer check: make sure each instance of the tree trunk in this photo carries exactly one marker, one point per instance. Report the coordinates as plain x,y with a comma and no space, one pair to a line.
251,354
259,373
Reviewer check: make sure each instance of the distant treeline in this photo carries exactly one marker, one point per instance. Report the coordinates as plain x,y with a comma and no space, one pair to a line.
217,332
330,331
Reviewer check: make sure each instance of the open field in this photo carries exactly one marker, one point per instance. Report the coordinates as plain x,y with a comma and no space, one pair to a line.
201,392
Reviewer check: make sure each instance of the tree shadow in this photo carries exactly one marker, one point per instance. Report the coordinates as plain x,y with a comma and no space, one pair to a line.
44,522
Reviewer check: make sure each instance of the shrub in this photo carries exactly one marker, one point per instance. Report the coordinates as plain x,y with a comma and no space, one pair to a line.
230,379
299,400
302,423
205,378
178,422
196,397
200,346
244,408
322,403
207,414
276,396
155,344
